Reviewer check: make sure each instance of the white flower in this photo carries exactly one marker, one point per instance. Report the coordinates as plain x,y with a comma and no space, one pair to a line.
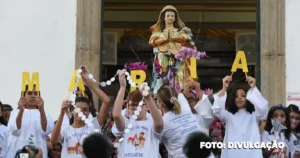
83,118
91,76
112,79
134,117
126,73
145,93
136,112
147,88
108,82
116,145
133,84
141,103
79,71
77,110
139,108
103,84
80,114
129,126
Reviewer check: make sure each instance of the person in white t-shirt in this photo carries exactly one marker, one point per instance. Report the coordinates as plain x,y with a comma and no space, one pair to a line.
29,124
74,135
140,137
3,136
179,121
199,103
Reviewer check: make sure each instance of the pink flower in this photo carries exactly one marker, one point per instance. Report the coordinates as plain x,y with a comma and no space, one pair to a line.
136,66
186,53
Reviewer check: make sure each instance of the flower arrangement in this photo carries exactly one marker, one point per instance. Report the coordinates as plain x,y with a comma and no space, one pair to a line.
186,53
208,91
136,66
217,133
157,67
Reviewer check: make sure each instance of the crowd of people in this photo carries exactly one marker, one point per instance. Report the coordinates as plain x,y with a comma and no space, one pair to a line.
169,124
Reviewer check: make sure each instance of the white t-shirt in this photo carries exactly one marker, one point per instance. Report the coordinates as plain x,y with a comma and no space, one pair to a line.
266,137
73,139
142,141
3,141
30,133
293,144
178,127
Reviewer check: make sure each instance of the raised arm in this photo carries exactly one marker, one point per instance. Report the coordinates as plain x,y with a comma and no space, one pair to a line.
57,129
155,112
117,110
103,111
21,104
218,107
259,102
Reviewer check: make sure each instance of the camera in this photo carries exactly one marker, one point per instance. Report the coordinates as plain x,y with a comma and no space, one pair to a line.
23,153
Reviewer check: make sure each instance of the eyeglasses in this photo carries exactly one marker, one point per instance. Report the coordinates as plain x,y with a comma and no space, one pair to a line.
134,106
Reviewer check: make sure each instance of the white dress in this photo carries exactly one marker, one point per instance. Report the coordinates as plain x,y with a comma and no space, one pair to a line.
30,133
242,126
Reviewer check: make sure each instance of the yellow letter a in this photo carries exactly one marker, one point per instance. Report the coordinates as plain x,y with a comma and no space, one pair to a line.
80,84
240,62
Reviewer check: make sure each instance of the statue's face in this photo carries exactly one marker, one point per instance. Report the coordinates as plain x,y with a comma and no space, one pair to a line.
169,17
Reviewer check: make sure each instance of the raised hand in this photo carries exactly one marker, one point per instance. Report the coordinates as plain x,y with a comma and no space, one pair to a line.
226,81
22,103
122,79
251,81
65,105
40,103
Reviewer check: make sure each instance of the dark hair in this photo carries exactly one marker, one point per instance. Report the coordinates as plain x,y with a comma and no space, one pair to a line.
164,94
1,106
49,152
162,20
26,89
231,105
135,96
97,144
269,126
294,108
79,100
9,107
89,95
191,146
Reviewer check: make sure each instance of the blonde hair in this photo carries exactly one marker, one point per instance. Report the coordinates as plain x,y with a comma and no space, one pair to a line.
168,96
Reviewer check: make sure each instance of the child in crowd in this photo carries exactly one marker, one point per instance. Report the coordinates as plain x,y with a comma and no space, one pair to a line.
245,110
3,136
277,113
138,133
294,143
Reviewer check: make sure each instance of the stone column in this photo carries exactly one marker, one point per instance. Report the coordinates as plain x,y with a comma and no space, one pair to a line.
88,37
273,85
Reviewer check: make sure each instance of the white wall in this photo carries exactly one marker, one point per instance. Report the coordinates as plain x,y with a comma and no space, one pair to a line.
37,36
292,51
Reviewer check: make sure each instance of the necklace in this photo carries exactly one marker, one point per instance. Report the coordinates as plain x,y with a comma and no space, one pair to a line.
78,144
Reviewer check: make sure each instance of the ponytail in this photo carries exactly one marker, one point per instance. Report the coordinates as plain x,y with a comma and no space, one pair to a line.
168,96
176,107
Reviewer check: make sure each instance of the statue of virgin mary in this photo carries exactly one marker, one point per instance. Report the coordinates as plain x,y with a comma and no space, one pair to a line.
169,36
